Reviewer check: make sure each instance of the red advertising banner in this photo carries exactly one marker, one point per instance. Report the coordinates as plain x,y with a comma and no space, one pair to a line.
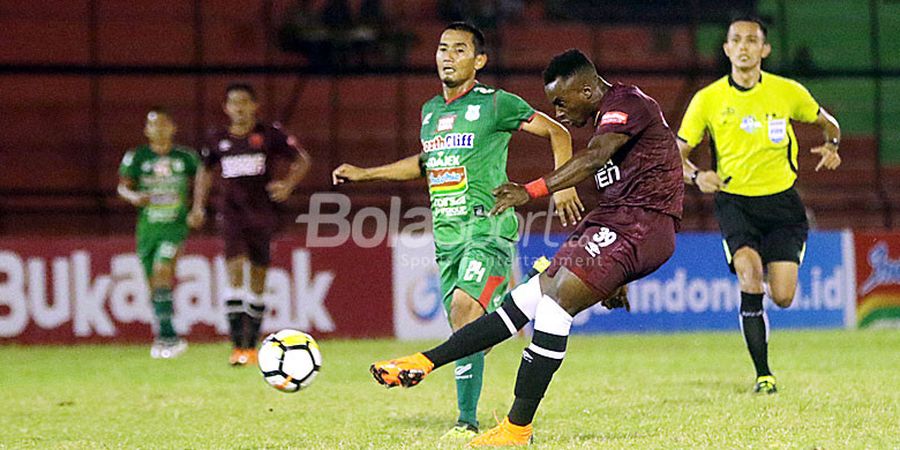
877,279
94,290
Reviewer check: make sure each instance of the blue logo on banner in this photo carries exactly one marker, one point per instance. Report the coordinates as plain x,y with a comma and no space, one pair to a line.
695,290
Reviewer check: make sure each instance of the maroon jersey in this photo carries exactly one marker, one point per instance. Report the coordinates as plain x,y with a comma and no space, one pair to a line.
646,171
247,164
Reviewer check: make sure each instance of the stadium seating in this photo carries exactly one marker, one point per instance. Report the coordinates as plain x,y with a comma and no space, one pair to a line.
74,127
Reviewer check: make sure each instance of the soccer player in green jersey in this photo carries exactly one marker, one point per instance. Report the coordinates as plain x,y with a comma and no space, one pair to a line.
465,135
155,178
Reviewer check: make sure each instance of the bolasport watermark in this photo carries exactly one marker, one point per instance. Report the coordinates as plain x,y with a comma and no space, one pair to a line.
332,222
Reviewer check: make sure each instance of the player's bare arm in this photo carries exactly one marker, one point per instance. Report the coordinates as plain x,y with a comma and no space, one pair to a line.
202,183
829,150
126,191
280,190
707,181
403,170
585,164
568,205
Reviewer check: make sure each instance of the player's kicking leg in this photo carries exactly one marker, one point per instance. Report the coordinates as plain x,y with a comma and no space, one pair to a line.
553,319
409,370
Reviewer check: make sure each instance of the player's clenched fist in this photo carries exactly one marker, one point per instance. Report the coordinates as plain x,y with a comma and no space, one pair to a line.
196,218
279,191
509,195
346,173
708,181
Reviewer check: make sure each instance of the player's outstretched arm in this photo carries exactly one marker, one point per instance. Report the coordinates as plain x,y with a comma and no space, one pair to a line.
568,205
126,191
402,170
585,164
202,183
829,150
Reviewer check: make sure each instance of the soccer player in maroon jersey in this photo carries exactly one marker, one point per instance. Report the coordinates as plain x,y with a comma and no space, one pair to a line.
246,151
628,235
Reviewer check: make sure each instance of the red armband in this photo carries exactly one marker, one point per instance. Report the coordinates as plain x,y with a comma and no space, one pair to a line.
537,188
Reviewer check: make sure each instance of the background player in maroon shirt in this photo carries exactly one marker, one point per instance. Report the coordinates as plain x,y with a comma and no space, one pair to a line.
247,151
635,162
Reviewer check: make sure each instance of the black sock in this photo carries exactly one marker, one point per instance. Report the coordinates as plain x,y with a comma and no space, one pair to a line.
234,311
485,332
252,322
753,325
535,372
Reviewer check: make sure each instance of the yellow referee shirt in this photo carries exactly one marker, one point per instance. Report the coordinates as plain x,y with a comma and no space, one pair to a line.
750,131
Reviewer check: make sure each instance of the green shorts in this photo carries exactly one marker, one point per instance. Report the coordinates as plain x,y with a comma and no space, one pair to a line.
481,269
159,244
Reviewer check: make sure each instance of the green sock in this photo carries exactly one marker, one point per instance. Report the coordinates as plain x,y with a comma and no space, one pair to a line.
162,307
469,372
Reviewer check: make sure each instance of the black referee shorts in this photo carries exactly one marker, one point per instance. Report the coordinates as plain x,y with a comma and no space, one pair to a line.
773,225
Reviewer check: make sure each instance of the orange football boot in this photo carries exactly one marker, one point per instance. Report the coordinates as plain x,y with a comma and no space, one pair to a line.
238,357
407,371
251,355
503,435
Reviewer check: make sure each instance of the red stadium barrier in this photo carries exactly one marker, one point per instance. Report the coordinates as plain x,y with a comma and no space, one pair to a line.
94,290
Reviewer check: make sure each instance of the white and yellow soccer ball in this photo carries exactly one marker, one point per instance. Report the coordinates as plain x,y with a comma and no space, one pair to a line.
289,360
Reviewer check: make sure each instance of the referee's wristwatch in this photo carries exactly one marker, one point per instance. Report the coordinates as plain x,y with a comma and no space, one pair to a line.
835,142
694,176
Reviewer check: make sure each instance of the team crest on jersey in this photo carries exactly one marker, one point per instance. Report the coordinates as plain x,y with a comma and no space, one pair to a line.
163,167
446,123
473,113
427,119
255,141
224,145
749,124
614,118
777,130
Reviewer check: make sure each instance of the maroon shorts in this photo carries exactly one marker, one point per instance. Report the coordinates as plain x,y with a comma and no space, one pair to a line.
614,246
246,239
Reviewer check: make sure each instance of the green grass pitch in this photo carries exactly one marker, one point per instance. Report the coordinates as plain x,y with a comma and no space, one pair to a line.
839,389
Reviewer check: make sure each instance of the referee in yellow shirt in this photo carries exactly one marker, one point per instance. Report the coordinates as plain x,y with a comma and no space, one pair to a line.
747,115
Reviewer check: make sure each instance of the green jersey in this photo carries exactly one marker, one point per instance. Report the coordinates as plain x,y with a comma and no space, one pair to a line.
165,178
464,151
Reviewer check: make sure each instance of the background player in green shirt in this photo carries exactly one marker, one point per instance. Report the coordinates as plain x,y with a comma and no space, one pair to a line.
465,136
155,178
747,115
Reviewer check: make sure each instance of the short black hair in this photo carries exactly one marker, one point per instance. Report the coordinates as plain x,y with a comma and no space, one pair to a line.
241,87
477,35
567,64
751,18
